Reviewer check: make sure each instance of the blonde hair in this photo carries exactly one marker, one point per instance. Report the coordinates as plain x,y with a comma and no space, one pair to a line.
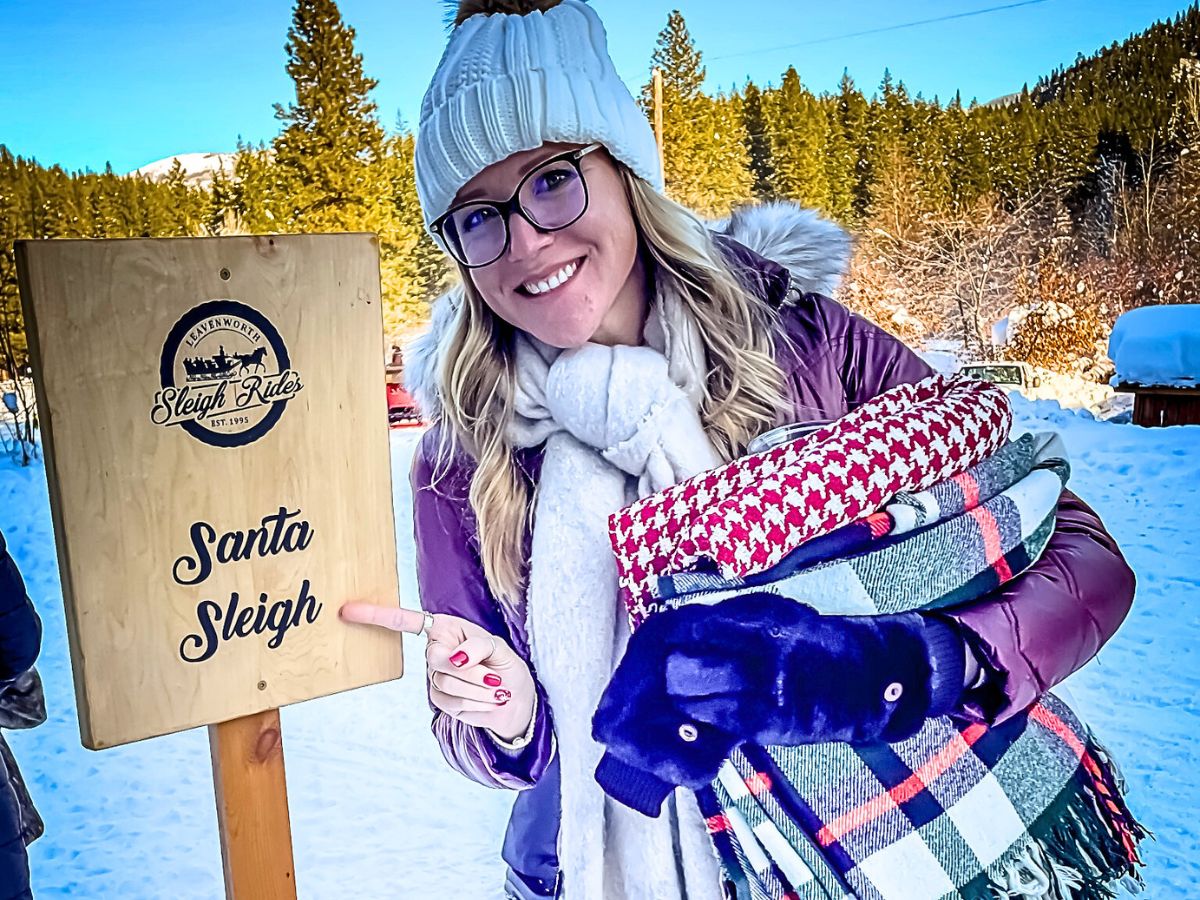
743,393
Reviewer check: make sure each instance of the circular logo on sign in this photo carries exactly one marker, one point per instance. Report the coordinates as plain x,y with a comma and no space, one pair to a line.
225,373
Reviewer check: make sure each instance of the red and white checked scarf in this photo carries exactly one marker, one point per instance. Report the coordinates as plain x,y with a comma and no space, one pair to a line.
748,515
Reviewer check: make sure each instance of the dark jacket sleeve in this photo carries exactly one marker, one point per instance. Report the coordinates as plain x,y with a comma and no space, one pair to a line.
1038,629
451,581
20,627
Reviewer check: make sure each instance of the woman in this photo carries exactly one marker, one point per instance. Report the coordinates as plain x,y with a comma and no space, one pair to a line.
21,706
604,344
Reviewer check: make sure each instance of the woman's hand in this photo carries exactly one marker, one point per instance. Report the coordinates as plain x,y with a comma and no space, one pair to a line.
473,676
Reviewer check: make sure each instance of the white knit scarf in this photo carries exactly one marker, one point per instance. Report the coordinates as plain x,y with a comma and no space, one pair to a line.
619,423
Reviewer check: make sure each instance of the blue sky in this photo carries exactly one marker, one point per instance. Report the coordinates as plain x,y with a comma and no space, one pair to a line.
85,82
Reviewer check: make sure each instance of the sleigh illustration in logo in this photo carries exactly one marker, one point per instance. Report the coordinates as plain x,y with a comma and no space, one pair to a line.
223,365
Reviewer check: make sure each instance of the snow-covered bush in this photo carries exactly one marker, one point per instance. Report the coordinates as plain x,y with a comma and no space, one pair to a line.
1061,322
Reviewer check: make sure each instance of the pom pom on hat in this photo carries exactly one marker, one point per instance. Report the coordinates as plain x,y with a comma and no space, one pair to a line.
461,10
522,74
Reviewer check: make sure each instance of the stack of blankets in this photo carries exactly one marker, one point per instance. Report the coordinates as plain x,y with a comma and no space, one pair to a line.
916,501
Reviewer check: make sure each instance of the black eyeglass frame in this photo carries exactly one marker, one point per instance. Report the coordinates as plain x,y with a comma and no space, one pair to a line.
507,207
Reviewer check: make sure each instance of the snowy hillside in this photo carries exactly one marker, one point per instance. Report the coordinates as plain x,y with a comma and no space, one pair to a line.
378,814
199,168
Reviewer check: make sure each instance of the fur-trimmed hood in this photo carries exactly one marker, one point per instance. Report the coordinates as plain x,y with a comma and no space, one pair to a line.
814,250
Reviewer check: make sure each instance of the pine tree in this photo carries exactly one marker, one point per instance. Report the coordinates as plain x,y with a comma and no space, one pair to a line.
706,164
799,133
333,168
1012,147
966,160
729,180
327,156
900,193
841,161
412,268
186,215
927,141
854,117
258,198
758,143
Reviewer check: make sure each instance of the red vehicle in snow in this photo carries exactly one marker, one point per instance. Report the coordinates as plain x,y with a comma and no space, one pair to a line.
402,408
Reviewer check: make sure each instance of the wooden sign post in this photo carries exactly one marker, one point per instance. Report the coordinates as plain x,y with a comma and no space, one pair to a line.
215,421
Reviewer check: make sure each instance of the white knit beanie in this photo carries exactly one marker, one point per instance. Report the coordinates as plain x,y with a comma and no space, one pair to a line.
510,82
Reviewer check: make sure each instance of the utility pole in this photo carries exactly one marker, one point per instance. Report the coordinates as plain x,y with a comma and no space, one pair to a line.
656,79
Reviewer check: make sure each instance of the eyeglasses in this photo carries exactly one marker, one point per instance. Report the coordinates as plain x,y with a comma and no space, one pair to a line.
549,197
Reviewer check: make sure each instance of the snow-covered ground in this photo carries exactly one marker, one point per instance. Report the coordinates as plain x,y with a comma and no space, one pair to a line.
377,814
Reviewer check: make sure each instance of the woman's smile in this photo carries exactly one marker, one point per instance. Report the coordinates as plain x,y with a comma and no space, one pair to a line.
544,285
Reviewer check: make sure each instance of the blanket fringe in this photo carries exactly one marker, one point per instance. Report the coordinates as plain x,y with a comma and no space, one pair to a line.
1082,848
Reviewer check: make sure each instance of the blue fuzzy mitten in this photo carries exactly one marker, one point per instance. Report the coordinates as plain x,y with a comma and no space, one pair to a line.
697,681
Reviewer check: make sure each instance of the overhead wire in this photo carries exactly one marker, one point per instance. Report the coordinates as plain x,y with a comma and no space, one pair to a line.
886,28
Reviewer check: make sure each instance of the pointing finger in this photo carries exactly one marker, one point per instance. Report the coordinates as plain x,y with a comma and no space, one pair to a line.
394,617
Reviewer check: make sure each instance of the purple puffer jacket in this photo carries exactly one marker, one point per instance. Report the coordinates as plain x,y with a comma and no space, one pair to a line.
1032,633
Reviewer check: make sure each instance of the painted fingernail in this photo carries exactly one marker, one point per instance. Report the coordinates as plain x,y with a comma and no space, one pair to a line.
458,658
491,680
503,696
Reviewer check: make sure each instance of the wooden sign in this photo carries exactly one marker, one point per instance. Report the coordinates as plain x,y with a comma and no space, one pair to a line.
215,420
